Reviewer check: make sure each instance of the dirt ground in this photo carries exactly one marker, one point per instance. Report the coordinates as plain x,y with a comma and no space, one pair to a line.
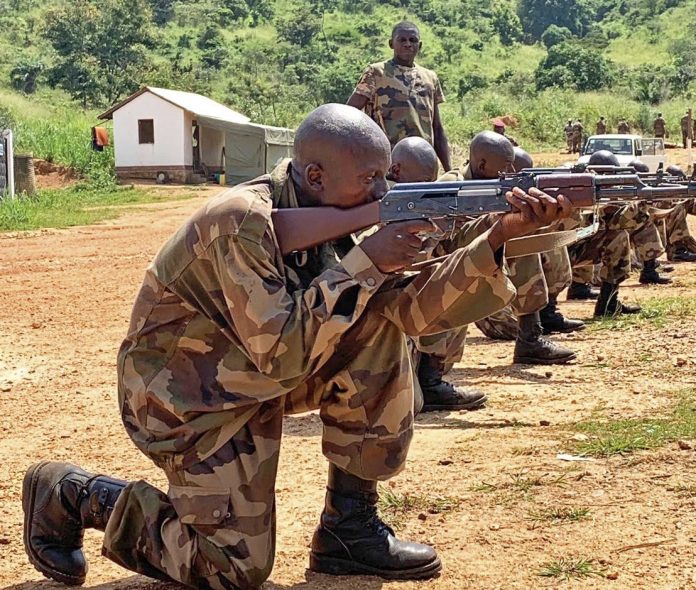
65,299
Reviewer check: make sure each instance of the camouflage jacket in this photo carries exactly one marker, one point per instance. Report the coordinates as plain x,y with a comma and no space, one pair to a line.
222,323
401,99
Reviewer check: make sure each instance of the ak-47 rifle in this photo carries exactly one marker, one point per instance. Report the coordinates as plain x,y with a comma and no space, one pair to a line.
444,202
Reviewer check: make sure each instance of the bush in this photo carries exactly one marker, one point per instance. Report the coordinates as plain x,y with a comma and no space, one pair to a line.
568,65
554,35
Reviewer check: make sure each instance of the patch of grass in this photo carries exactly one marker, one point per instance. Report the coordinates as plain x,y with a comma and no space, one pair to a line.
521,482
394,506
571,569
560,515
620,437
78,205
654,312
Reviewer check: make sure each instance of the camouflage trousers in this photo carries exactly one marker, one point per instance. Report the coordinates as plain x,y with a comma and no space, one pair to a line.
646,242
676,229
610,247
526,274
215,526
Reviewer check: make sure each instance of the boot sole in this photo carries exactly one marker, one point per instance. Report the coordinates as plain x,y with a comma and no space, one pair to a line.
477,405
345,567
530,360
28,499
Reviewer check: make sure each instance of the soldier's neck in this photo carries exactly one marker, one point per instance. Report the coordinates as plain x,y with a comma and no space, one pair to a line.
404,63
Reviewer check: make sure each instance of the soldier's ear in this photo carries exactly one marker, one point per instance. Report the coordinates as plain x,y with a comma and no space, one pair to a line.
394,172
314,177
391,43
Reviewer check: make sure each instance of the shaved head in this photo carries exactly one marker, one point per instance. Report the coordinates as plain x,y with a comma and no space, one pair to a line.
413,160
341,157
522,159
639,166
489,154
333,127
404,25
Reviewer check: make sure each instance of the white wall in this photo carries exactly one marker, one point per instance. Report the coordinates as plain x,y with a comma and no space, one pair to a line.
212,142
171,133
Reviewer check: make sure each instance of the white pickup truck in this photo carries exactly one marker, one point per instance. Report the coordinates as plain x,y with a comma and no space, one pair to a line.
650,150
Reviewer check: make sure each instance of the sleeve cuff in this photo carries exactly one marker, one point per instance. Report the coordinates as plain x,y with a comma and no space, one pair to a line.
483,258
359,266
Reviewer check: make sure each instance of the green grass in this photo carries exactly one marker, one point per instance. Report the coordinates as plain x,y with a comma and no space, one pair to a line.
394,507
78,205
621,437
656,312
571,569
521,482
560,515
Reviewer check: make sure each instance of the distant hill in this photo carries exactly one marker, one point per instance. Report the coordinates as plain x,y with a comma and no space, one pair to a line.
540,61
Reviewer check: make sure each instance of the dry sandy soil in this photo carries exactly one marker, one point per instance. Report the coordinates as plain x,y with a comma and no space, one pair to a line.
65,298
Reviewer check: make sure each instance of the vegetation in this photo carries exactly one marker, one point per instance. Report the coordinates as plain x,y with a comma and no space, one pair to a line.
619,437
538,61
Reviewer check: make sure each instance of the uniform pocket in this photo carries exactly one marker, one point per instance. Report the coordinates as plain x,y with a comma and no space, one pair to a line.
200,506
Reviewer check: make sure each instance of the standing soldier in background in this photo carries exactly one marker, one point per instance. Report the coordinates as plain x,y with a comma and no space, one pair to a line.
568,130
403,97
623,127
660,126
601,126
577,136
499,128
684,122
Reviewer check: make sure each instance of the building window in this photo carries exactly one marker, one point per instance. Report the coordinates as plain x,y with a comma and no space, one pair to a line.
146,131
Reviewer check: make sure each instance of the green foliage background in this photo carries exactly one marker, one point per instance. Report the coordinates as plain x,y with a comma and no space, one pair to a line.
539,61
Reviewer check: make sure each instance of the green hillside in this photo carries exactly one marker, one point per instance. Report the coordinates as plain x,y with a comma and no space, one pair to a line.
539,61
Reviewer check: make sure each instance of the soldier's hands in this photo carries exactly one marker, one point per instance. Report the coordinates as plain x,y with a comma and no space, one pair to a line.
530,212
396,245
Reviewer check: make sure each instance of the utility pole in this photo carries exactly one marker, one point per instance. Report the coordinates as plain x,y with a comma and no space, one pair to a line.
690,141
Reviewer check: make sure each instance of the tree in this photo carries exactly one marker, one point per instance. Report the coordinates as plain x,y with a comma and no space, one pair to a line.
537,15
569,65
299,26
212,45
260,11
25,74
554,35
101,49
162,11
507,24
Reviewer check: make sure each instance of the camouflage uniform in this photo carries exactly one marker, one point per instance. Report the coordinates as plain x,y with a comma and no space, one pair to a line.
684,124
660,127
226,337
568,129
645,239
623,128
577,136
610,246
526,274
601,127
401,99
677,234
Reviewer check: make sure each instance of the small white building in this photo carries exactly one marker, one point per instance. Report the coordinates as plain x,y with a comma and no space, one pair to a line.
189,137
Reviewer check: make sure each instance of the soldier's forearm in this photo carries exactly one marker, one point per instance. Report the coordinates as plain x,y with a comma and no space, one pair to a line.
442,147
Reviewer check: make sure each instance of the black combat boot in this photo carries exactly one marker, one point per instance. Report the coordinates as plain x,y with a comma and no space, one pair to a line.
581,291
608,303
352,539
60,501
683,255
650,276
552,320
440,395
532,349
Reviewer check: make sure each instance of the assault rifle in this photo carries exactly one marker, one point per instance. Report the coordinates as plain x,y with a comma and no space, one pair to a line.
445,202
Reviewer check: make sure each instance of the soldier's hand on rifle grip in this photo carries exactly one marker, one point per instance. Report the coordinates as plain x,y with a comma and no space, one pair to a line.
396,245
530,212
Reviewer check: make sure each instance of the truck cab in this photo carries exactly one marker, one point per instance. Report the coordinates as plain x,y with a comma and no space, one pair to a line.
650,150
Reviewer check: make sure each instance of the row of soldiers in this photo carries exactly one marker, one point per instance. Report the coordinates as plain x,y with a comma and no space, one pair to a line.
573,131
227,336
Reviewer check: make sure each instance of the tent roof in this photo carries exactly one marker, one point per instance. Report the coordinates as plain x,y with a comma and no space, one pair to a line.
271,135
197,104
